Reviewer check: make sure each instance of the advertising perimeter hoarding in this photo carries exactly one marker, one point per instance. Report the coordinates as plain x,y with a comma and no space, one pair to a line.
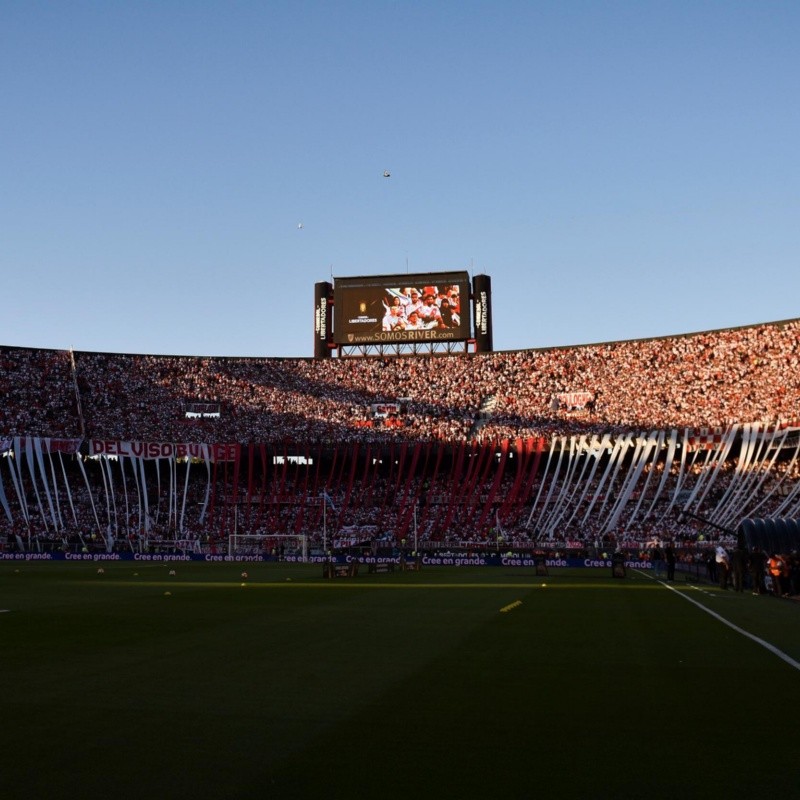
402,309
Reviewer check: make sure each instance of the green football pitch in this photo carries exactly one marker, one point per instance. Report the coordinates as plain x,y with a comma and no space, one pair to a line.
450,682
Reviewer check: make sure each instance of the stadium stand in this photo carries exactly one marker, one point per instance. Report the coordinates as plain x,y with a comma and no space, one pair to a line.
598,445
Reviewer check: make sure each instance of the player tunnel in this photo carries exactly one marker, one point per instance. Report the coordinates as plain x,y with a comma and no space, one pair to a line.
772,535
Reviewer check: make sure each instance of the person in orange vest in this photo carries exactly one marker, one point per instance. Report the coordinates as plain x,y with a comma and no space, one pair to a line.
775,568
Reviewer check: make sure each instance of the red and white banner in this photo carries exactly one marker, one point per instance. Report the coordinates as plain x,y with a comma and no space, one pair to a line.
385,409
153,450
705,438
575,401
47,445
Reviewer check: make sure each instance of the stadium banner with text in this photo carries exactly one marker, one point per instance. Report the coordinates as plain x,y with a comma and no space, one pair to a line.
48,445
574,401
153,450
384,409
322,323
402,309
425,560
482,300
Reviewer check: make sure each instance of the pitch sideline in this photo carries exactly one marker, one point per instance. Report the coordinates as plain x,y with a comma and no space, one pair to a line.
771,647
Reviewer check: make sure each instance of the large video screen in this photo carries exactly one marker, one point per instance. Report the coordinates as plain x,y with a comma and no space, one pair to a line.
398,309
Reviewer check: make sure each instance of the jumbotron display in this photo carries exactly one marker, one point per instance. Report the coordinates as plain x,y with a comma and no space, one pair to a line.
402,309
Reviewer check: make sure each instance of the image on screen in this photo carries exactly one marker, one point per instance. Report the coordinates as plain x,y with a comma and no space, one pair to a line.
428,307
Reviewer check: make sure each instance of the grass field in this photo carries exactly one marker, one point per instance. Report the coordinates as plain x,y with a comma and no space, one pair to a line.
462,682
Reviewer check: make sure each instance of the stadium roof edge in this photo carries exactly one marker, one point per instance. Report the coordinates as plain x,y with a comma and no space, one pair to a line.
776,323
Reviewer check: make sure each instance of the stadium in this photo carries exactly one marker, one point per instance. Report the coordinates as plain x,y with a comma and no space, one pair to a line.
601,446
407,565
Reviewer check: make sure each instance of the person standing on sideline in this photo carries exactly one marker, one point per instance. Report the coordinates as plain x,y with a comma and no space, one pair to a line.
756,563
738,563
793,584
655,558
711,566
669,555
723,566
775,569
786,577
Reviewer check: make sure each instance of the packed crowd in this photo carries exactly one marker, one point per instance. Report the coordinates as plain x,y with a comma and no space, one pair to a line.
697,380
37,393
350,495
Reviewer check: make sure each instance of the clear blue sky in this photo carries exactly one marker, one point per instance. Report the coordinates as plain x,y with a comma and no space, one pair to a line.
620,169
